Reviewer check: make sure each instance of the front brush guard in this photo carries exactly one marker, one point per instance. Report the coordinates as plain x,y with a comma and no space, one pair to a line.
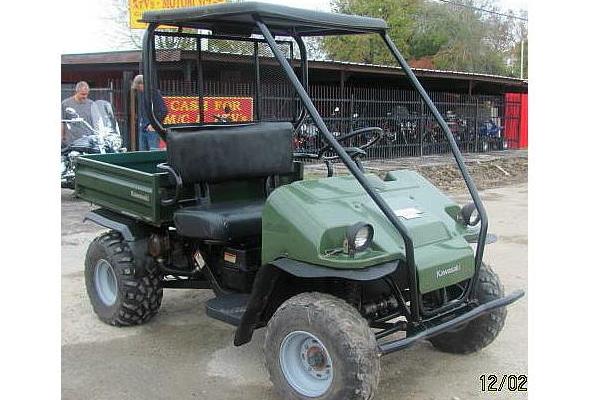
441,324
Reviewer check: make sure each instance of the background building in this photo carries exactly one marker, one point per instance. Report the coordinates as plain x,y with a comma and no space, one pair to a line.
348,95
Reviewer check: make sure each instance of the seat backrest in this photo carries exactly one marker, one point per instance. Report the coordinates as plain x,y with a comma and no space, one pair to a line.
220,154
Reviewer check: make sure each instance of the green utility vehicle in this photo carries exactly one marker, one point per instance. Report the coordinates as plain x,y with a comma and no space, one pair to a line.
340,270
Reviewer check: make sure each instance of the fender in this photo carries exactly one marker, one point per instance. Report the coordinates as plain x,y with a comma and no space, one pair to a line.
131,229
305,270
268,275
134,233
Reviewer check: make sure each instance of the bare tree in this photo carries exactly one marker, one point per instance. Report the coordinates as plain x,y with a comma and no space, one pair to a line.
123,37
118,31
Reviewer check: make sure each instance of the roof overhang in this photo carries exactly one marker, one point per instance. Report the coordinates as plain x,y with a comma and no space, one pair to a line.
133,57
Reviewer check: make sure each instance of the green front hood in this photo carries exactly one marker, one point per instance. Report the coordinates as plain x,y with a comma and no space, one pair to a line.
307,220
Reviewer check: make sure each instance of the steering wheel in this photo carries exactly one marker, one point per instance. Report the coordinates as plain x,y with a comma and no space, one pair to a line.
353,151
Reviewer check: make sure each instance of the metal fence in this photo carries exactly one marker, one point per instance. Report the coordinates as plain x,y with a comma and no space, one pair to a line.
477,122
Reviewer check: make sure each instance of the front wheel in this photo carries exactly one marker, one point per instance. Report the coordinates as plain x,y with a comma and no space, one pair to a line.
318,346
482,331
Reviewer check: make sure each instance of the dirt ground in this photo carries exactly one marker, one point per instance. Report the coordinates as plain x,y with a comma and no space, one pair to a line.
183,354
489,170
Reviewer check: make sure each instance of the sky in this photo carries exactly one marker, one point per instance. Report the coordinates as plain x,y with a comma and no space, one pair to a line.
91,30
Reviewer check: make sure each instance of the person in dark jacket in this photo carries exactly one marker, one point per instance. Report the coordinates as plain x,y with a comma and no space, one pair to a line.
148,138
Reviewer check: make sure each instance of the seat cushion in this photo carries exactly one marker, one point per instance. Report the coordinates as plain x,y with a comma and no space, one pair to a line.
223,222
221,154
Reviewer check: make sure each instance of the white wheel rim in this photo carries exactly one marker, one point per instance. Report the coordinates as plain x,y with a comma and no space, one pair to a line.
306,364
105,282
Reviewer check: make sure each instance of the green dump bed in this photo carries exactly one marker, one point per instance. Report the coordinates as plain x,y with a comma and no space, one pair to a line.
128,183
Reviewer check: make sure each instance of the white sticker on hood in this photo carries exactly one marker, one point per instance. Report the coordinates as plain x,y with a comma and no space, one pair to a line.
409,213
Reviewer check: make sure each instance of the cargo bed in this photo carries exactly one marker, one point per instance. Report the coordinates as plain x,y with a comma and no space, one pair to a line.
127,183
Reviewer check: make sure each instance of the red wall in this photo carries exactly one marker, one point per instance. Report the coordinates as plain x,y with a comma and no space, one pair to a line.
523,136
515,120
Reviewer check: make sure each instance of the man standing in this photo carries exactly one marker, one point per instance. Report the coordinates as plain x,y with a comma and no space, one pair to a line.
83,107
148,138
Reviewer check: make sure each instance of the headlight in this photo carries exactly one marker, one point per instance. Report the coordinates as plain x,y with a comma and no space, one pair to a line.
469,215
358,237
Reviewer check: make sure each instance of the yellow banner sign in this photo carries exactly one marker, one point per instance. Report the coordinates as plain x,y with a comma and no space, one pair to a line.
137,8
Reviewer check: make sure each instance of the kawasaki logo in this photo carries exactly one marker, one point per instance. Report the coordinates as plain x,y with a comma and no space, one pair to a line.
138,195
443,272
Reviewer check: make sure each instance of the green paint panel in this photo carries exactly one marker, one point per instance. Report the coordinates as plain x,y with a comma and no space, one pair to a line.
306,220
128,183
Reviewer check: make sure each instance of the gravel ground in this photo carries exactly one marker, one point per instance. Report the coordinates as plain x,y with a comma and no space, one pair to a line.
183,354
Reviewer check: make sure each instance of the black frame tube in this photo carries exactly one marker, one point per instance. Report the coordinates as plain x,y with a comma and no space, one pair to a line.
450,324
457,156
147,57
304,67
258,105
349,163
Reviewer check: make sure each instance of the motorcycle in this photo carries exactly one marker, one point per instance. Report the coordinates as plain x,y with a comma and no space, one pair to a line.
103,137
335,124
401,126
458,127
490,135
307,137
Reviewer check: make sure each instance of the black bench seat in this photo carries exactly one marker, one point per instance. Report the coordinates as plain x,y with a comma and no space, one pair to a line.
227,222
216,155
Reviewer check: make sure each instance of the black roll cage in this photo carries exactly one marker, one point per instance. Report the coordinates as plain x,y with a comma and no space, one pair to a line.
416,310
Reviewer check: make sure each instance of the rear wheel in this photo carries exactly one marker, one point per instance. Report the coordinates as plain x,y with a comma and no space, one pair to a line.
118,294
482,331
318,346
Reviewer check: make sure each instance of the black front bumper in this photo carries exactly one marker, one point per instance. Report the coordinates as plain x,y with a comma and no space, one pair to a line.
447,325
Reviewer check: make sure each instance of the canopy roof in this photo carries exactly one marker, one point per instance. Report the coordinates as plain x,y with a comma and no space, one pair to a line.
281,20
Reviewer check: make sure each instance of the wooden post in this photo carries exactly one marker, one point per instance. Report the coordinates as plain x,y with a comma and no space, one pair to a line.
129,111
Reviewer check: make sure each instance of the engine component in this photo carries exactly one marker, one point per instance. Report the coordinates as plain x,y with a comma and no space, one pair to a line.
158,245
379,308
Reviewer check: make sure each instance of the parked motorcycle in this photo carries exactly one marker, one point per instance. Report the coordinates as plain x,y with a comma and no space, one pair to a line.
307,137
335,124
490,136
401,126
103,137
458,127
